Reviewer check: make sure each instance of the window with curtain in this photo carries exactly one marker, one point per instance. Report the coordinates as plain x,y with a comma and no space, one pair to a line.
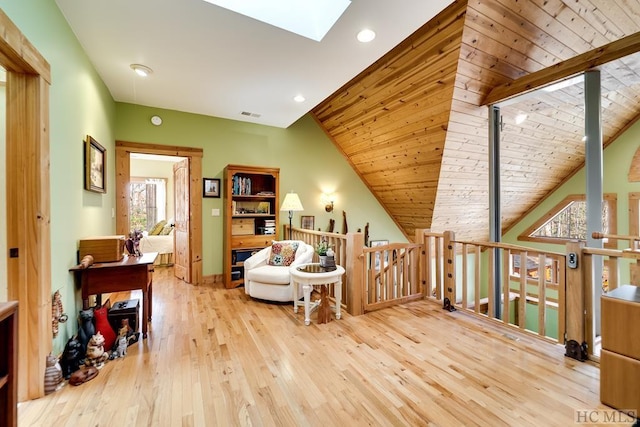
147,202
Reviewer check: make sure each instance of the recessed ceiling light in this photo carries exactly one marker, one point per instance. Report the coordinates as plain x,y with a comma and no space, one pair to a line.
299,98
366,35
141,70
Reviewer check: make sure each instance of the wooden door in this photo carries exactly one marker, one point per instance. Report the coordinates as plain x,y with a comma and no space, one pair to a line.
182,254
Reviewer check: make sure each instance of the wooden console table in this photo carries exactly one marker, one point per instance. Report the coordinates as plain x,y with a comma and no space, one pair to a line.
125,275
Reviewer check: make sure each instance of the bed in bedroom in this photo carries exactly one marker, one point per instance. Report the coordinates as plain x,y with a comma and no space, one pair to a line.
163,244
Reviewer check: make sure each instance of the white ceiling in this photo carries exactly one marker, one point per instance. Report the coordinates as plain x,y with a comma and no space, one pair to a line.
209,60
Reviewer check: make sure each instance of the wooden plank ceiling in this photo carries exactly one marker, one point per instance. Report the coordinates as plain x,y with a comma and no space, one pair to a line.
412,125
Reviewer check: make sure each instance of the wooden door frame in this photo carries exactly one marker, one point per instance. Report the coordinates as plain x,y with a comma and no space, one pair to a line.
123,164
28,202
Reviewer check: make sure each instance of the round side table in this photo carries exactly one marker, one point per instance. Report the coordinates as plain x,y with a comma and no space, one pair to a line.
310,275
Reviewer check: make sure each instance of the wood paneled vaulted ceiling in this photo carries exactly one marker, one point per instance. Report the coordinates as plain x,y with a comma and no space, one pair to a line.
414,127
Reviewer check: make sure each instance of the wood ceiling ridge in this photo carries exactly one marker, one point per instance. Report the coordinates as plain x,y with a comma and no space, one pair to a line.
388,126
363,97
433,137
371,75
520,58
588,60
405,117
517,24
399,162
536,13
371,109
565,15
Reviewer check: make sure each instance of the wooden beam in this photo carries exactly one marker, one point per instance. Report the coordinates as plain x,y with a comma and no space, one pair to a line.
571,67
18,54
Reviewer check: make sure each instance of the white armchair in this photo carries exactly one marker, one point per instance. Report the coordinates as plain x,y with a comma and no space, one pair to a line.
272,282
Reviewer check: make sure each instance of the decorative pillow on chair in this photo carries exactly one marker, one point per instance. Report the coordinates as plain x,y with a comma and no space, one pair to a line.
283,253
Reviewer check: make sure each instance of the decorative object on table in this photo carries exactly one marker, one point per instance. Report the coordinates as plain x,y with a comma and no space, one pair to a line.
83,375
210,187
52,375
95,166
70,361
321,250
102,248
330,260
96,356
132,245
57,313
86,262
86,328
292,204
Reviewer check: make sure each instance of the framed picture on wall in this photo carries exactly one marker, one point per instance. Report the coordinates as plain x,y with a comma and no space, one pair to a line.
210,187
95,166
307,222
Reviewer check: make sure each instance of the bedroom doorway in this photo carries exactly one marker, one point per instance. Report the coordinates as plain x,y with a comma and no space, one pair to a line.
152,204
190,259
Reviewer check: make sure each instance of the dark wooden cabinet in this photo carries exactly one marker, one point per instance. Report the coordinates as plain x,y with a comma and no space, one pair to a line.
9,363
251,211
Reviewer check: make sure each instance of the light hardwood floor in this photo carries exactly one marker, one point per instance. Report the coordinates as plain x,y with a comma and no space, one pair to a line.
215,357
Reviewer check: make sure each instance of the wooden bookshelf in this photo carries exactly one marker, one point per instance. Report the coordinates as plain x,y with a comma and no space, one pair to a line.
251,204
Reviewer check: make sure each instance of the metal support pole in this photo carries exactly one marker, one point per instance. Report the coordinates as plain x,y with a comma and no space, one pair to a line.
594,172
495,226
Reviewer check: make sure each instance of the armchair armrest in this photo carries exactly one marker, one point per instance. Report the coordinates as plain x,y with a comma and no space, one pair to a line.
257,259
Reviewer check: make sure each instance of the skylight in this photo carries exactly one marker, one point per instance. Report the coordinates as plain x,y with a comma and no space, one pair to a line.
311,18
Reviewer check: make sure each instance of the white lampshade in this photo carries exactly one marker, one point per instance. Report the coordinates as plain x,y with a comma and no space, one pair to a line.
291,203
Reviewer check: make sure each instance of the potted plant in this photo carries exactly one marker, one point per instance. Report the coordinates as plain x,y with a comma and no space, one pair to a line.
321,249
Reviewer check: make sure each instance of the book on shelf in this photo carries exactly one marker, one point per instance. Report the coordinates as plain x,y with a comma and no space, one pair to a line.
241,185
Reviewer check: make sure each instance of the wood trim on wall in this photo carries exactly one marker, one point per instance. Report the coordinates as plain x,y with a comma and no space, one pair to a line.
610,198
28,203
123,150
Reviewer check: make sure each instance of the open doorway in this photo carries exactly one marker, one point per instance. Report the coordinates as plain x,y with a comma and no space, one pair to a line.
187,251
152,204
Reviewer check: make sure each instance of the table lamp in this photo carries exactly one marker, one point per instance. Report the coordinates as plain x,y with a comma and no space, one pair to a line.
291,203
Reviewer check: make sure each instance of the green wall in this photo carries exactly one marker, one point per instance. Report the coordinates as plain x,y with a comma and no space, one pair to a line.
309,164
80,104
617,160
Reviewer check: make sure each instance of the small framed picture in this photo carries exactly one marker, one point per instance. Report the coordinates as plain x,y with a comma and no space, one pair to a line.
307,222
210,187
95,166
